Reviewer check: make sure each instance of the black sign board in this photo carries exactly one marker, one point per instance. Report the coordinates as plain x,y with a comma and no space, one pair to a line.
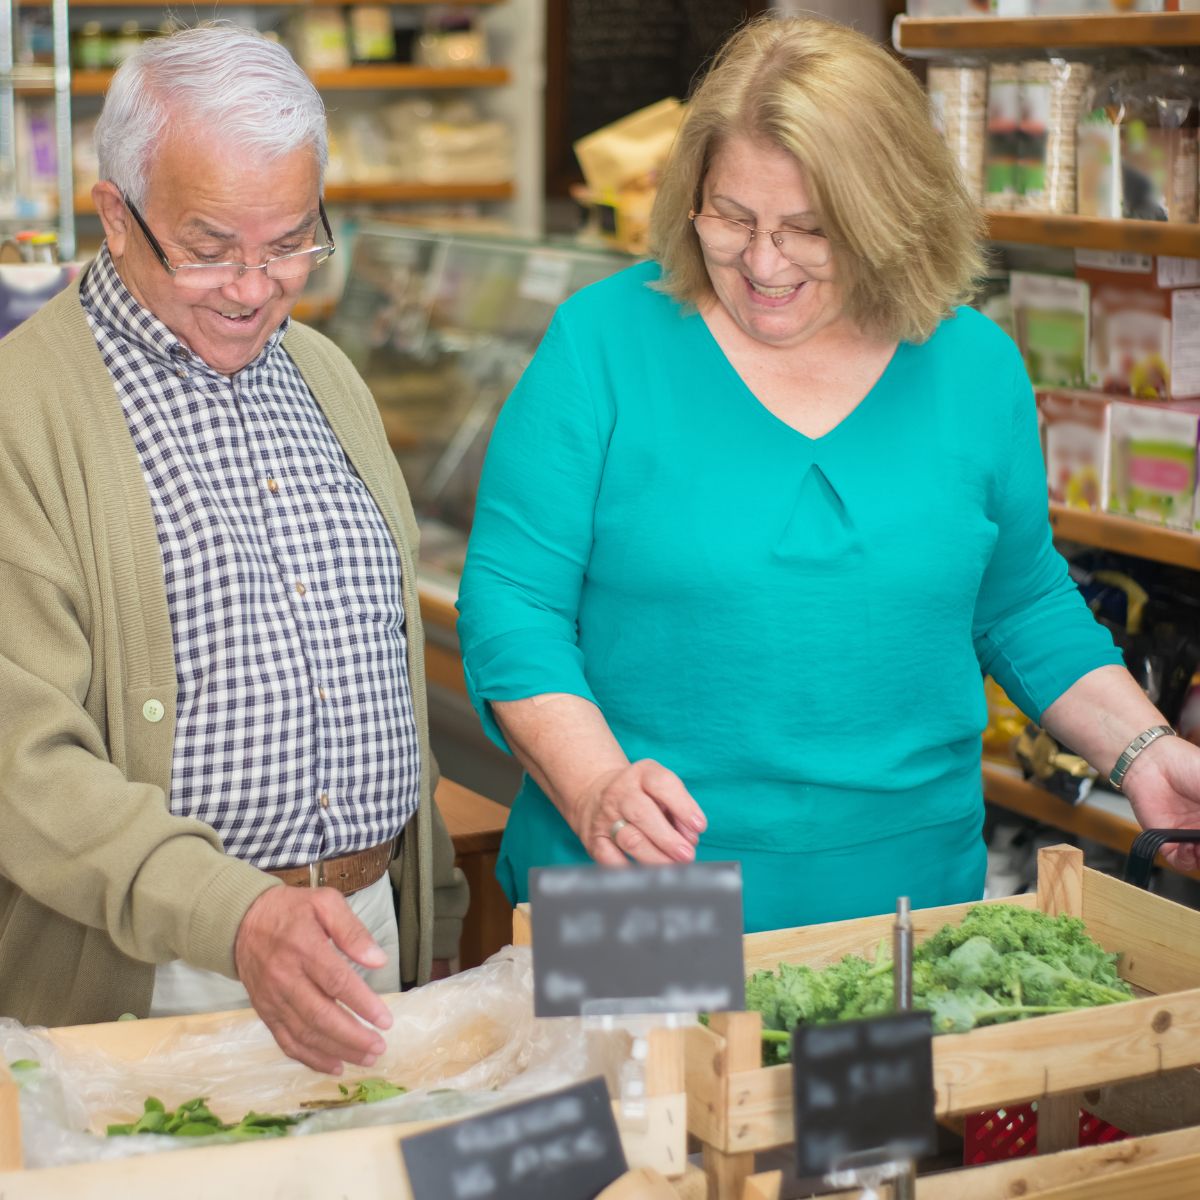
864,1093
564,1144
637,940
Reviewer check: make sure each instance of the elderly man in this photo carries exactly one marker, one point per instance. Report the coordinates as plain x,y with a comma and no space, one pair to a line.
211,679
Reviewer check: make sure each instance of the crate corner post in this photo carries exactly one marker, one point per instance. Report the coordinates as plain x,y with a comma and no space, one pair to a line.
1060,881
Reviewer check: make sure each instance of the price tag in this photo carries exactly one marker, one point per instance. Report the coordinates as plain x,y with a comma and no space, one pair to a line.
564,1144
545,278
638,940
863,1093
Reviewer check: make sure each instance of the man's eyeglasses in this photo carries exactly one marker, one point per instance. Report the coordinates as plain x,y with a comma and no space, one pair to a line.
723,235
217,275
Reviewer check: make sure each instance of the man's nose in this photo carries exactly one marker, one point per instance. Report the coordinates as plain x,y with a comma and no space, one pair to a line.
252,288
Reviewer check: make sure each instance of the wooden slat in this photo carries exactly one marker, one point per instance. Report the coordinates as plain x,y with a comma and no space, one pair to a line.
522,931
1159,941
1060,881
702,1051
10,1122
405,193
475,823
402,75
1125,536
1095,233
766,1186
818,945
438,610
1028,1176
443,666
914,35
1174,1179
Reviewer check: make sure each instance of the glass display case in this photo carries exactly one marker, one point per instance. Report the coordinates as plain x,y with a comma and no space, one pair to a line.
441,326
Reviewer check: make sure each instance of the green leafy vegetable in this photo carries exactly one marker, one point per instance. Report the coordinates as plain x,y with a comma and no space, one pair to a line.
1002,963
193,1118
366,1091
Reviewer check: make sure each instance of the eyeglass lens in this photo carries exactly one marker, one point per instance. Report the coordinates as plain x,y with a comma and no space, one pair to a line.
732,237
215,275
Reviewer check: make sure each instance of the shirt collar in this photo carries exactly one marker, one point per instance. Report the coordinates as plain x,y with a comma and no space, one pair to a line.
113,305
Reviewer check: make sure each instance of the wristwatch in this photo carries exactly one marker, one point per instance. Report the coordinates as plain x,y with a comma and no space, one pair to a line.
1135,748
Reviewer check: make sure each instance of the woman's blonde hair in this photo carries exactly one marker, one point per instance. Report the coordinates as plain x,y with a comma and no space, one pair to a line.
906,237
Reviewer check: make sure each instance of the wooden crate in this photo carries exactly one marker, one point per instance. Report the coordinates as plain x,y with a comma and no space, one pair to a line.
1164,1166
737,1107
313,1165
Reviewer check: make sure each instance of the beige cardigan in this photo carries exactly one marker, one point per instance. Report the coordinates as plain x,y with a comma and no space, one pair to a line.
97,880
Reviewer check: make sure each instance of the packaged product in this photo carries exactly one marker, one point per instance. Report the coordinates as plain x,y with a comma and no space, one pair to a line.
1098,148
317,37
1051,96
1003,121
1143,334
1075,439
1153,463
1051,314
958,106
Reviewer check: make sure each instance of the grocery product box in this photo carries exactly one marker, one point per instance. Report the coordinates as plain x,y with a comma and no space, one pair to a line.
1152,462
1051,314
1075,442
1144,330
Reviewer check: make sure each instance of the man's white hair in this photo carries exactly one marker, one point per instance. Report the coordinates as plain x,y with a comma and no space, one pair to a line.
219,77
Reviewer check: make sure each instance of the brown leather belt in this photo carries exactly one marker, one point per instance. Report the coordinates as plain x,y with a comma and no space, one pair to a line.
349,874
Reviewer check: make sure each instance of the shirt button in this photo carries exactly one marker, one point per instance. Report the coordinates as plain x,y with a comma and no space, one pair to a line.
300,588
322,693
272,486
324,799
153,711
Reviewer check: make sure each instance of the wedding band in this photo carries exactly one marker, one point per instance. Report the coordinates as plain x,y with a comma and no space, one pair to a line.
616,828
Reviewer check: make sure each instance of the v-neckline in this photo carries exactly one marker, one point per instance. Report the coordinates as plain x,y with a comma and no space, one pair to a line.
748,393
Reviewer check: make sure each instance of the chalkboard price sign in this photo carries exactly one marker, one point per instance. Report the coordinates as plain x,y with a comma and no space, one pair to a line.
564,1144
863,1093
637,940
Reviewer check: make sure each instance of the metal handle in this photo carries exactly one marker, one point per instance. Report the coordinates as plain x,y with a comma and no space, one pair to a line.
1145,848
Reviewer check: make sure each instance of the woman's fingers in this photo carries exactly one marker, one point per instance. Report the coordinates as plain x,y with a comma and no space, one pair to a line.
644,813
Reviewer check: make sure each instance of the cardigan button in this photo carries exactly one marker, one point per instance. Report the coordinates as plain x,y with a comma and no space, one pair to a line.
154,711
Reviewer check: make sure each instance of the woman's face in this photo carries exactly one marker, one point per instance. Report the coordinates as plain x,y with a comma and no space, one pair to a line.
771,299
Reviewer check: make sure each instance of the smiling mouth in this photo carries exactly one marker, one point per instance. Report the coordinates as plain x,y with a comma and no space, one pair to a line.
774,293
243,317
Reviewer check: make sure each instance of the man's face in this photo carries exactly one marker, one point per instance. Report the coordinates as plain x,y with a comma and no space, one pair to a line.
206,203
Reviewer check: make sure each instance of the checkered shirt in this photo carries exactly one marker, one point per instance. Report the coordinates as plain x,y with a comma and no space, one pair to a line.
295,738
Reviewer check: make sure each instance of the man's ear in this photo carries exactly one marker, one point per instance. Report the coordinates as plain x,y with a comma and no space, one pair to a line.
114,216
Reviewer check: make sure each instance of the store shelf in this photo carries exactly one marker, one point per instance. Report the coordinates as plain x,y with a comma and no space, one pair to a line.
1124,536
392,76
920,36
1095,233
385,193
1005,788
217,5
402,75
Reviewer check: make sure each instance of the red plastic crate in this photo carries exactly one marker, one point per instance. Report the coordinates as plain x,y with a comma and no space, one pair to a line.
1012,1133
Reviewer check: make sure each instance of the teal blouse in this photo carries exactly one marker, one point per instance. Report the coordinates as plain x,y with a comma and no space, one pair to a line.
798,627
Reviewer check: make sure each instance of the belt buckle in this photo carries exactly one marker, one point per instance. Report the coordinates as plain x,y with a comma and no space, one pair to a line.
316,874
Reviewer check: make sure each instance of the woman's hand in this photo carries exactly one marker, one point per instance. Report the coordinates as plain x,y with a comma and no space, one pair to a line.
1163,785
640,811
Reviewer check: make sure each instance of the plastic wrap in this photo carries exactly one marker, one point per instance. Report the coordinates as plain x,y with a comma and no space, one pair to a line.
1051,97
459,1045
958,100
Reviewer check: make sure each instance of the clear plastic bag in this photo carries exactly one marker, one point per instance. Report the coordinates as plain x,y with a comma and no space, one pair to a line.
459,1045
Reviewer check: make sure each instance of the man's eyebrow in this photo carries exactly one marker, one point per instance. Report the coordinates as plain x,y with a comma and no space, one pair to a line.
199,227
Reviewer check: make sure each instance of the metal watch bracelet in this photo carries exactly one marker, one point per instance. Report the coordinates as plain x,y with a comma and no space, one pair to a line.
1135,748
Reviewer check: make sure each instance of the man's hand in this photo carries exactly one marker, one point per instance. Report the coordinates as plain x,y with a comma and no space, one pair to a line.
291,955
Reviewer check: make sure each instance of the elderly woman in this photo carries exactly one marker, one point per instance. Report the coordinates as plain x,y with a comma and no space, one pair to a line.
760,516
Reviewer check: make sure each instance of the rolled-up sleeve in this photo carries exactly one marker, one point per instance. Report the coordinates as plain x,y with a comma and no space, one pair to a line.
532,535
1033,632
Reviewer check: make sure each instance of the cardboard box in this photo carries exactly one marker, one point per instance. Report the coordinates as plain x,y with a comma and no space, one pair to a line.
1142,331
1152,462
1075,442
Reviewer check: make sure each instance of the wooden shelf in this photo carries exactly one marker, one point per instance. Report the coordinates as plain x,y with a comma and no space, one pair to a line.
217,5
385,76
384,193
312,311
924,36
402,75
1125,536
1095,233
1008,790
